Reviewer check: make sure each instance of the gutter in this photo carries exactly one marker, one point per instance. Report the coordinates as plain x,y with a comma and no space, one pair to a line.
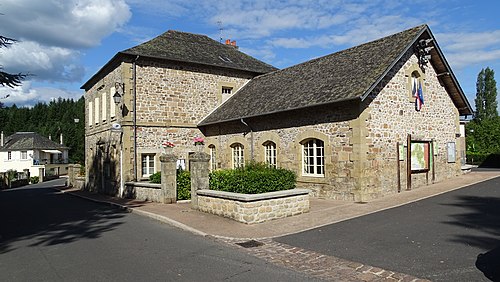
251,137
134,109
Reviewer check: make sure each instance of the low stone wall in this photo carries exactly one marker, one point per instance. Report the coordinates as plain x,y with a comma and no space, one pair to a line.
143,191
254,208
79,182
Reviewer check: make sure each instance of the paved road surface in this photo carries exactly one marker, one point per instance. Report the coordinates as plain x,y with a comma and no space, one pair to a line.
50,236
438,238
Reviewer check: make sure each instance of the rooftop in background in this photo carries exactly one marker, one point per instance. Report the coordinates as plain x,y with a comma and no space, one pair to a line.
29,141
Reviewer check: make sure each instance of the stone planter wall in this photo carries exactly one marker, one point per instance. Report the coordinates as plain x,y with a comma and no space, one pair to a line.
143,191
254,208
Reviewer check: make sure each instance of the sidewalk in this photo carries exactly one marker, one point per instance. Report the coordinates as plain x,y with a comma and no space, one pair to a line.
323,211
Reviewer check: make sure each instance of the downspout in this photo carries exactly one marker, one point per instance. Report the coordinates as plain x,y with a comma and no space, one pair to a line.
134,108
251,138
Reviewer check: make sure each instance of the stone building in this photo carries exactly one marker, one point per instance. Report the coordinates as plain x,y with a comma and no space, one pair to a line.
165,87
358,124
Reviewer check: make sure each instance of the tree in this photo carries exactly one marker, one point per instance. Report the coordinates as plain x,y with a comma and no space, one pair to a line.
486,95
8,79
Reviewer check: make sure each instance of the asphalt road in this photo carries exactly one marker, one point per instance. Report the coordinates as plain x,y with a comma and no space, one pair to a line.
50,236
439,238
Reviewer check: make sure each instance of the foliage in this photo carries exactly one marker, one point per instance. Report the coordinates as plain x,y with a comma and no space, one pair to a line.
34,179
254,178
11,174
155,178
57,117
183,183
8,79
483,136
486,95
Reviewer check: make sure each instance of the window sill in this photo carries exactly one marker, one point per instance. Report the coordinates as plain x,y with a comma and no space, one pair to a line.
312,179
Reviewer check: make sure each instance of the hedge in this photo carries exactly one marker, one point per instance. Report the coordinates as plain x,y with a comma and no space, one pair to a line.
483,159
254,178
183,183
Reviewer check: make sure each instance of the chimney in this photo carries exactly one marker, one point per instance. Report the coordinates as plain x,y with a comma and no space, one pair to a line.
60,139
1,140
233,43
228,41
50,137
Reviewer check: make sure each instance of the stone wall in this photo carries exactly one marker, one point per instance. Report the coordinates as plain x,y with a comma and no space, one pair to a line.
392,116
143,191
252,209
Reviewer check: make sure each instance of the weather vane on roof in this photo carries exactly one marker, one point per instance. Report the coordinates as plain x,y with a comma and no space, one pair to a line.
219,23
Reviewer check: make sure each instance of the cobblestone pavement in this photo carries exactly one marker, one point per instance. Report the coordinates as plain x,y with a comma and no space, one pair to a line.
317,265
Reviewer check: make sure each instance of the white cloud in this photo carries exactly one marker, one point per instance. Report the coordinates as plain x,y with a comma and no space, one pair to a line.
27,95
470,48
69,23
51,34
45,63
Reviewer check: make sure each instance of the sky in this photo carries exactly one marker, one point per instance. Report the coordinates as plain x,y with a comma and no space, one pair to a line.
62,43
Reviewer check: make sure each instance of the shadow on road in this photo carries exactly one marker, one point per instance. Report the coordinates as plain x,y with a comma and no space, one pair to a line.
484,217
44,216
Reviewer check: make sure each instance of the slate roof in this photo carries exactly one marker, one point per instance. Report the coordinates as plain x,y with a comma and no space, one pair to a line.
29,141
191,48
199,49
350,74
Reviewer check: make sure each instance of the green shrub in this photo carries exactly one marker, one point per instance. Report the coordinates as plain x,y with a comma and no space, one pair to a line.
476,158
34,179
183,183
254,178
155,178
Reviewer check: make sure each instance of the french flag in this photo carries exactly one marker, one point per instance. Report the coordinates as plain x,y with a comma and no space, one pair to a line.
419,99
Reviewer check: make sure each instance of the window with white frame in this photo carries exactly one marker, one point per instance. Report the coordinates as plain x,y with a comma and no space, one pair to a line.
104,109
313,158
238,156
148,164
96,110
91,109
9,155
270,153
213,159
24,155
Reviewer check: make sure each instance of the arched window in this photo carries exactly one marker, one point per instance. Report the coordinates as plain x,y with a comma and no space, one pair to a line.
415,81
313,157
238,156
270,153
213,159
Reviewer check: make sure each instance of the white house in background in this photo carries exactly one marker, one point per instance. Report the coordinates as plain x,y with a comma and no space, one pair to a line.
29,151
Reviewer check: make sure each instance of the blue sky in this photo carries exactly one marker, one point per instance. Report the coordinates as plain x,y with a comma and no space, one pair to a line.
64,42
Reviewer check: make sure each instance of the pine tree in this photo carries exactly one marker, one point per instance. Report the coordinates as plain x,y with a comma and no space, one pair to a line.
486,95
8,79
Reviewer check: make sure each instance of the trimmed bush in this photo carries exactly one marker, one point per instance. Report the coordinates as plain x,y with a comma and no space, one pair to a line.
34,179
254,178
155,178
183,183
